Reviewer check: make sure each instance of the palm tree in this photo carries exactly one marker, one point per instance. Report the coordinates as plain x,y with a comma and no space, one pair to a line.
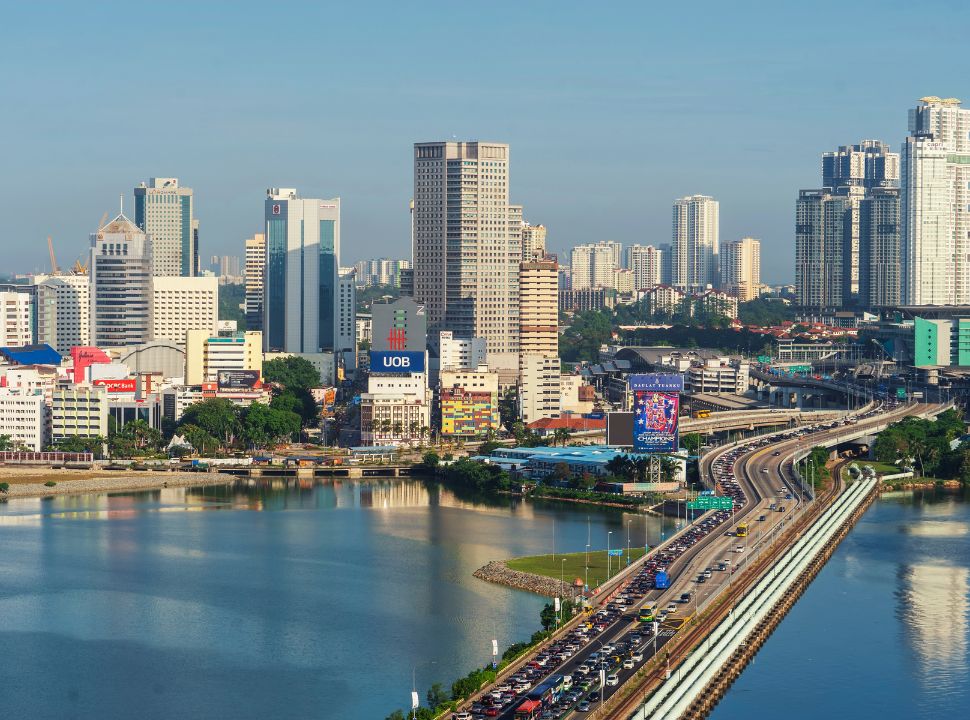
398,428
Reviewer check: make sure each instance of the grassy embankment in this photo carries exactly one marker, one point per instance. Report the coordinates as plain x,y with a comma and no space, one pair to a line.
574,567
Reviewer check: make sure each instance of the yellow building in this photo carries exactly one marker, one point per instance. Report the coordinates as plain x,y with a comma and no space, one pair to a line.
207,356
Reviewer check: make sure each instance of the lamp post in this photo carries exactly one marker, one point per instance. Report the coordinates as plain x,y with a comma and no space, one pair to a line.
628,542
609,564
562,586
586,576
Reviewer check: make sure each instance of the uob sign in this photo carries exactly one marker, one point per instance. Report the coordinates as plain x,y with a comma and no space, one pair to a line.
396,361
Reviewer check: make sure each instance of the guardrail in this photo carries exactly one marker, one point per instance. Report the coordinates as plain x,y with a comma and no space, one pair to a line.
674,697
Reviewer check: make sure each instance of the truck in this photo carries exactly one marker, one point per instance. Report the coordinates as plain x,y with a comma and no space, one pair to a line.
661,580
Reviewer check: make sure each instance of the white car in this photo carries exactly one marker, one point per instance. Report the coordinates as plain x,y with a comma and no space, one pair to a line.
613,680
739,549
628,664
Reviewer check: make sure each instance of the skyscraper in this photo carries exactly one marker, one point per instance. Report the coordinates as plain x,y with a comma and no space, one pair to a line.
255,270
879,249
741,268
121,284
592,266
466,260
694,242
300,282
820,238
869,164
935,199
163,210
63,311
646,262
533,241
539,366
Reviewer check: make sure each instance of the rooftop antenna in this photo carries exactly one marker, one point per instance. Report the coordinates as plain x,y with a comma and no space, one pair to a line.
121,204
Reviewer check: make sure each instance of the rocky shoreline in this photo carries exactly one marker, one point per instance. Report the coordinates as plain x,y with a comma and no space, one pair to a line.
115,483
501,574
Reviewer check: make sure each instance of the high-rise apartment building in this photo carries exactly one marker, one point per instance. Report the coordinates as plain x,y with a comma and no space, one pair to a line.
382,271
666,273
121,275
533,241
539,367
300,283
163,210
63,311
466,259
255,270
15,321
694,242
741,268
180,304
869,164
646,262
593,266
879,249
935,204
821,222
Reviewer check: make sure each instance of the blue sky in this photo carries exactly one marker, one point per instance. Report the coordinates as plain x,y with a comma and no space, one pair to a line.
611,112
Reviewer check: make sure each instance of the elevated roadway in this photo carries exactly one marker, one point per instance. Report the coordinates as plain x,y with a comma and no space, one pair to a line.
765,472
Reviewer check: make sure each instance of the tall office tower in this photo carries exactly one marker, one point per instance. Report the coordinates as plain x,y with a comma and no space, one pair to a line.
255,271
164,211
934,202
121,284
300,283
539,367
15,322
822,222
180,304
533,241
227,265
666,276
646,262
592,266
879,248
466,262
63,311
694,244
741,268
869,164
515,230
346,347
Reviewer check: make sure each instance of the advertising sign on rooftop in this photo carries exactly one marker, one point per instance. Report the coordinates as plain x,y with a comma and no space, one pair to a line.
654,382
655,421
237,379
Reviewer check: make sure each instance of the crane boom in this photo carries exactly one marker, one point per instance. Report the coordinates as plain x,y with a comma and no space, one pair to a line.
50,249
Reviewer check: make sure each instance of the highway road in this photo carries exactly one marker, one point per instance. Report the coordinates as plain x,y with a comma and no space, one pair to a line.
761,467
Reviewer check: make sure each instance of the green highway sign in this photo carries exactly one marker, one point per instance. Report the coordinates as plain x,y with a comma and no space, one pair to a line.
764,358
711,502
901,393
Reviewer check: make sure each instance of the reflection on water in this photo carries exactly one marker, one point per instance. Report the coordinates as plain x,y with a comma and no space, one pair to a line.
934,608
238,600
884,628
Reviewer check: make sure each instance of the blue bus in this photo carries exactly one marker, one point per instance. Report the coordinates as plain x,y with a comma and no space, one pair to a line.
661,580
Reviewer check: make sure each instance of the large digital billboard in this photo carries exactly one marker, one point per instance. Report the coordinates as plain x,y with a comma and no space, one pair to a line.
657,383
395,361
655,421
237,379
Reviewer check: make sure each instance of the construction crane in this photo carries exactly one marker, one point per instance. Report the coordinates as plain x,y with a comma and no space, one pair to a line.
50,249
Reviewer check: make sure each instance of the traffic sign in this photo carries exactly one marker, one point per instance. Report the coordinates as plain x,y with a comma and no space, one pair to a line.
711,502
617,553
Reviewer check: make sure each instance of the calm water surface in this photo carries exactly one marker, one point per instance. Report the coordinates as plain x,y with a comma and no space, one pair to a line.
242,602
883,632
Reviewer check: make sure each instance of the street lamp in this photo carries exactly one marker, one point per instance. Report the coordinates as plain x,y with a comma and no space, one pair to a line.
562,586
628,542
586,576
609,564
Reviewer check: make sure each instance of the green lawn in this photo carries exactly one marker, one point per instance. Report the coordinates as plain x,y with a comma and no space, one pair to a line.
574,567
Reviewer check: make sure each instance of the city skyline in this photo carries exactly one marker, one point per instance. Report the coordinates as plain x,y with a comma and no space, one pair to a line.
655,76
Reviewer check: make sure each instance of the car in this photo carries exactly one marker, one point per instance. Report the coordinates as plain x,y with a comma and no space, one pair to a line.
776,453
764,470
491,711
613,680
739,549
583,706
584,669
463,715
671,608
685,597
708,573
628,664
637,656
762,518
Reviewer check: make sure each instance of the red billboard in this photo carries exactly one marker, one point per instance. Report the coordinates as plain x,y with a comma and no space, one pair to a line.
128,385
